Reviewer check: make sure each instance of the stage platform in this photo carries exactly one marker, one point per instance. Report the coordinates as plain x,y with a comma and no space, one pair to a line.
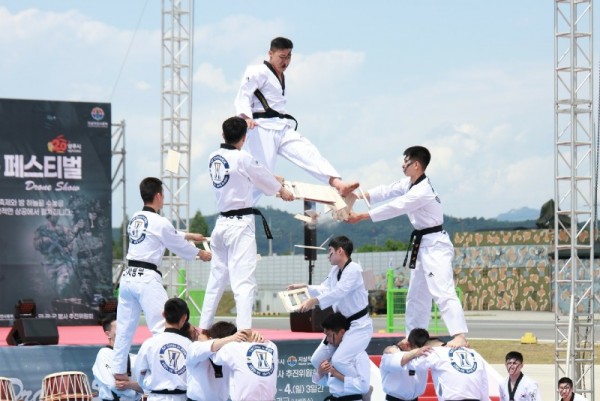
26,366
94,335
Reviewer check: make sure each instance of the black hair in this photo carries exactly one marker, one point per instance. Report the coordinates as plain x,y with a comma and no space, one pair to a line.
280,43
107,321
420,154
418,337
175,309
514,355
336,321
149,187
342,242
234,129
222,330
566,380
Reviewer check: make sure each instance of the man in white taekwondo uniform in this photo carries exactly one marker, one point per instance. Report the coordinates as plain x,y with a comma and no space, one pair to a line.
252,367
517,386
431,275
160,365
399,382
141,286
206,380
458,373
234,173
108,390
355,384
261,102
345,291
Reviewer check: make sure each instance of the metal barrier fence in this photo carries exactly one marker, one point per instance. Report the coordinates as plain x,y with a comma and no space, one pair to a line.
396,308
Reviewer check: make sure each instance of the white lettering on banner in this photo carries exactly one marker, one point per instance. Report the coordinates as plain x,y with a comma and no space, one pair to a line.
32,186
65,186
60,186
22,394
67,167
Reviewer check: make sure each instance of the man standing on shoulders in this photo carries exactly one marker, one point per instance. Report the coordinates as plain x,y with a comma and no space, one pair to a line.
517,386
141,288
234,173
431,275
261,102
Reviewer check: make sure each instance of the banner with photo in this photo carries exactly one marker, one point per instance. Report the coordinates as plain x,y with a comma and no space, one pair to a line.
55,222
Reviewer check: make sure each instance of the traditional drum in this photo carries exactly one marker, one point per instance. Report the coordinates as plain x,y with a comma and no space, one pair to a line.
66,386
7,393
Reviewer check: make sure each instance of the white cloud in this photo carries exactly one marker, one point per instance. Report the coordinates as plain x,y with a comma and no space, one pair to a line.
213,78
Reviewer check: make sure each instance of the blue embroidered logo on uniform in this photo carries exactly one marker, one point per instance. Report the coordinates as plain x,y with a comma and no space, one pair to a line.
137,228
219,171
462,360
172,358
259,359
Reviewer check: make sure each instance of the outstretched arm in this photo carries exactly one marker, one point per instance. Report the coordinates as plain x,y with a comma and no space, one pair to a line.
356,217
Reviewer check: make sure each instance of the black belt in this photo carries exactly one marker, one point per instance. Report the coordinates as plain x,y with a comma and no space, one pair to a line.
358,315
392,398
351,397
269,112
247,211
352,318
176,391
144,265
415,242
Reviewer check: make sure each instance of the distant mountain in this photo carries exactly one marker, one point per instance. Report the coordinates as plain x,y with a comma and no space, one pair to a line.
288,231
524,213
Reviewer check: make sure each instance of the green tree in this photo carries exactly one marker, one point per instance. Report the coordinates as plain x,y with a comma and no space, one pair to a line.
199,225
390,245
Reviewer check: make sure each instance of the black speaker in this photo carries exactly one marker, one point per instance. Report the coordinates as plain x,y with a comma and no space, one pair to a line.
310,234
309,322
33,331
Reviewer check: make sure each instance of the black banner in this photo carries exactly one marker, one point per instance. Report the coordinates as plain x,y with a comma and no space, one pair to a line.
55,214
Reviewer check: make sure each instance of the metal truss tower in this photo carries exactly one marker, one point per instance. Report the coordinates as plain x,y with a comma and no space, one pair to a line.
575,194
118,179
176,117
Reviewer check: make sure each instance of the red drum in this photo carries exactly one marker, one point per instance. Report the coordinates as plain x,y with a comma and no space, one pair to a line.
66,386
7,393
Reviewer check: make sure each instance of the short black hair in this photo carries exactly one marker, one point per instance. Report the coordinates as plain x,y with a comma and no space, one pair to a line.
221,330
420,154
175,309
566,380
336,321
234,129
107,321
280,43
342,242
418,337
149,187
514,355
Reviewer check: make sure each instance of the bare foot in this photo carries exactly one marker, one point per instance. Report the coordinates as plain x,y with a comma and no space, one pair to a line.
459,340
344,188
121,377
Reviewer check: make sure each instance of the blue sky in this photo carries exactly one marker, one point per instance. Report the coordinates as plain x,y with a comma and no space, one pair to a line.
471,80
